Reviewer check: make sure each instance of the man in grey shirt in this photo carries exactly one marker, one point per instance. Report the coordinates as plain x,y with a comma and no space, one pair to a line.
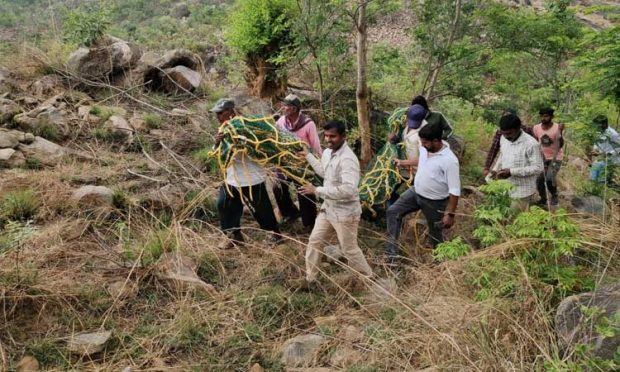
341,210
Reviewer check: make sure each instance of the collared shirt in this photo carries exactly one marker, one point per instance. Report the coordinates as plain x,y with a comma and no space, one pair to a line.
340,171
438,174
494,150
244,172
307,133
523,158
608,144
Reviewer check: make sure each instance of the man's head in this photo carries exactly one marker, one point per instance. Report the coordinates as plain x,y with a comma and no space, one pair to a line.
291,105
430,137
224,109
509,110
415,116
601,122
546,115
335,133
420,100
510,127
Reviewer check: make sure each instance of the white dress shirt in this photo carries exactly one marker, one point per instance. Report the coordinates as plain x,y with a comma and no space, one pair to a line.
523,158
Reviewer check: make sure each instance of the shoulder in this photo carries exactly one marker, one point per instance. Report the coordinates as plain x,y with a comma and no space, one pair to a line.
281,120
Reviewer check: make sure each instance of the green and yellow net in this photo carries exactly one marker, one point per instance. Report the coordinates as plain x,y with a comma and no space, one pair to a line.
261,140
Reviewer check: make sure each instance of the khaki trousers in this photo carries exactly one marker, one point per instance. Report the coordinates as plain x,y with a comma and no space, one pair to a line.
347,238
522,204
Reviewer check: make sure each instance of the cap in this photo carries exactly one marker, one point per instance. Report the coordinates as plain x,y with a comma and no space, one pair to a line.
292,100
415,115
223,104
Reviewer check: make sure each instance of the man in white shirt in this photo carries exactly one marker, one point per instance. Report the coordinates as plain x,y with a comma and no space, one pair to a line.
436,191
341,209
520,161
245,185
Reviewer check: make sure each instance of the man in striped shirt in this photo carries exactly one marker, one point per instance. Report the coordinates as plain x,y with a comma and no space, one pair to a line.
520,161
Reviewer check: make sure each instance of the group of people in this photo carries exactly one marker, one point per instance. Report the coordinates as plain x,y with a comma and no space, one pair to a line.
529,158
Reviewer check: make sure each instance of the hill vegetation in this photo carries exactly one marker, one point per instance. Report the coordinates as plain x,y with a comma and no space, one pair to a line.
108,218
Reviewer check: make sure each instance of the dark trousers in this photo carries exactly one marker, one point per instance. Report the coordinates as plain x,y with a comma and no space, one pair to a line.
409,202
307,204
230,208
546,180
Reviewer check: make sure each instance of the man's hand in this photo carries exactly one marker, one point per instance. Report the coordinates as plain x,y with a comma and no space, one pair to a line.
396,162
218,138
503,174
308,189
303,153
447,220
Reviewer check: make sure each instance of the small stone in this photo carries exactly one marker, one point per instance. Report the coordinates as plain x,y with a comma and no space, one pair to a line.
8,109
345,356
180,271
352,334
301,350
88,343
120,127
43,151
27,363
256,368
10,158
10,138
122,289
324,321
93,196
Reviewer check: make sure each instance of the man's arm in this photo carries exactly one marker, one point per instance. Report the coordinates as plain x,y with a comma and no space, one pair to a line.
445,126
313,138
350,175
493,151
315,164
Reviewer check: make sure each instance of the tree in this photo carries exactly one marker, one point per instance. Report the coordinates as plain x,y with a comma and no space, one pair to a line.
361,91
261,31
602,57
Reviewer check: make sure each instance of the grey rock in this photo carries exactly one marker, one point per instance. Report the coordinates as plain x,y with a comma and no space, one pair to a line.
179,271
88,343
90,196
301,350
43,151
10,158
48,84
180,79
8,109
45,115
109,56
120,127
589,205
10,138
573,328
27,364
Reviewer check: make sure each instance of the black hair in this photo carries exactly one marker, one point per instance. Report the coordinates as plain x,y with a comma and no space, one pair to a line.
546,111
510,110
601,120
431,132
338,125
509,121
420,100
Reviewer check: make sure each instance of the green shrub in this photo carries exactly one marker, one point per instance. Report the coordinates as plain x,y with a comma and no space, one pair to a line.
19,205
269,307
48,131
493,212
153,121
85,26
451,250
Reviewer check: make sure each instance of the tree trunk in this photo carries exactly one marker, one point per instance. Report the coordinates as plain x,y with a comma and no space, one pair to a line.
263,80
362,86
437,70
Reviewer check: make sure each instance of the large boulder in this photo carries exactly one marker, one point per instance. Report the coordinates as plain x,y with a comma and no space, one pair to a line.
180,79
154,73
590,204
301,350
12,138
109,57
573,327
8,109
43,119
43,151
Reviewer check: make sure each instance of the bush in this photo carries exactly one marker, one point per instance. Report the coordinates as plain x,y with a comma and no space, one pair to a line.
85,26
153,121
19,205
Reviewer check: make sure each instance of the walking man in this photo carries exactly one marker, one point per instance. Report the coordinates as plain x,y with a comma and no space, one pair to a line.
341,209
549,135
302,127
436,190
244,185
520,161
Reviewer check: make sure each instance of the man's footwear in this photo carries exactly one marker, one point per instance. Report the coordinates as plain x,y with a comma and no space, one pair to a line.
541,203
274,239
307,229
554,200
